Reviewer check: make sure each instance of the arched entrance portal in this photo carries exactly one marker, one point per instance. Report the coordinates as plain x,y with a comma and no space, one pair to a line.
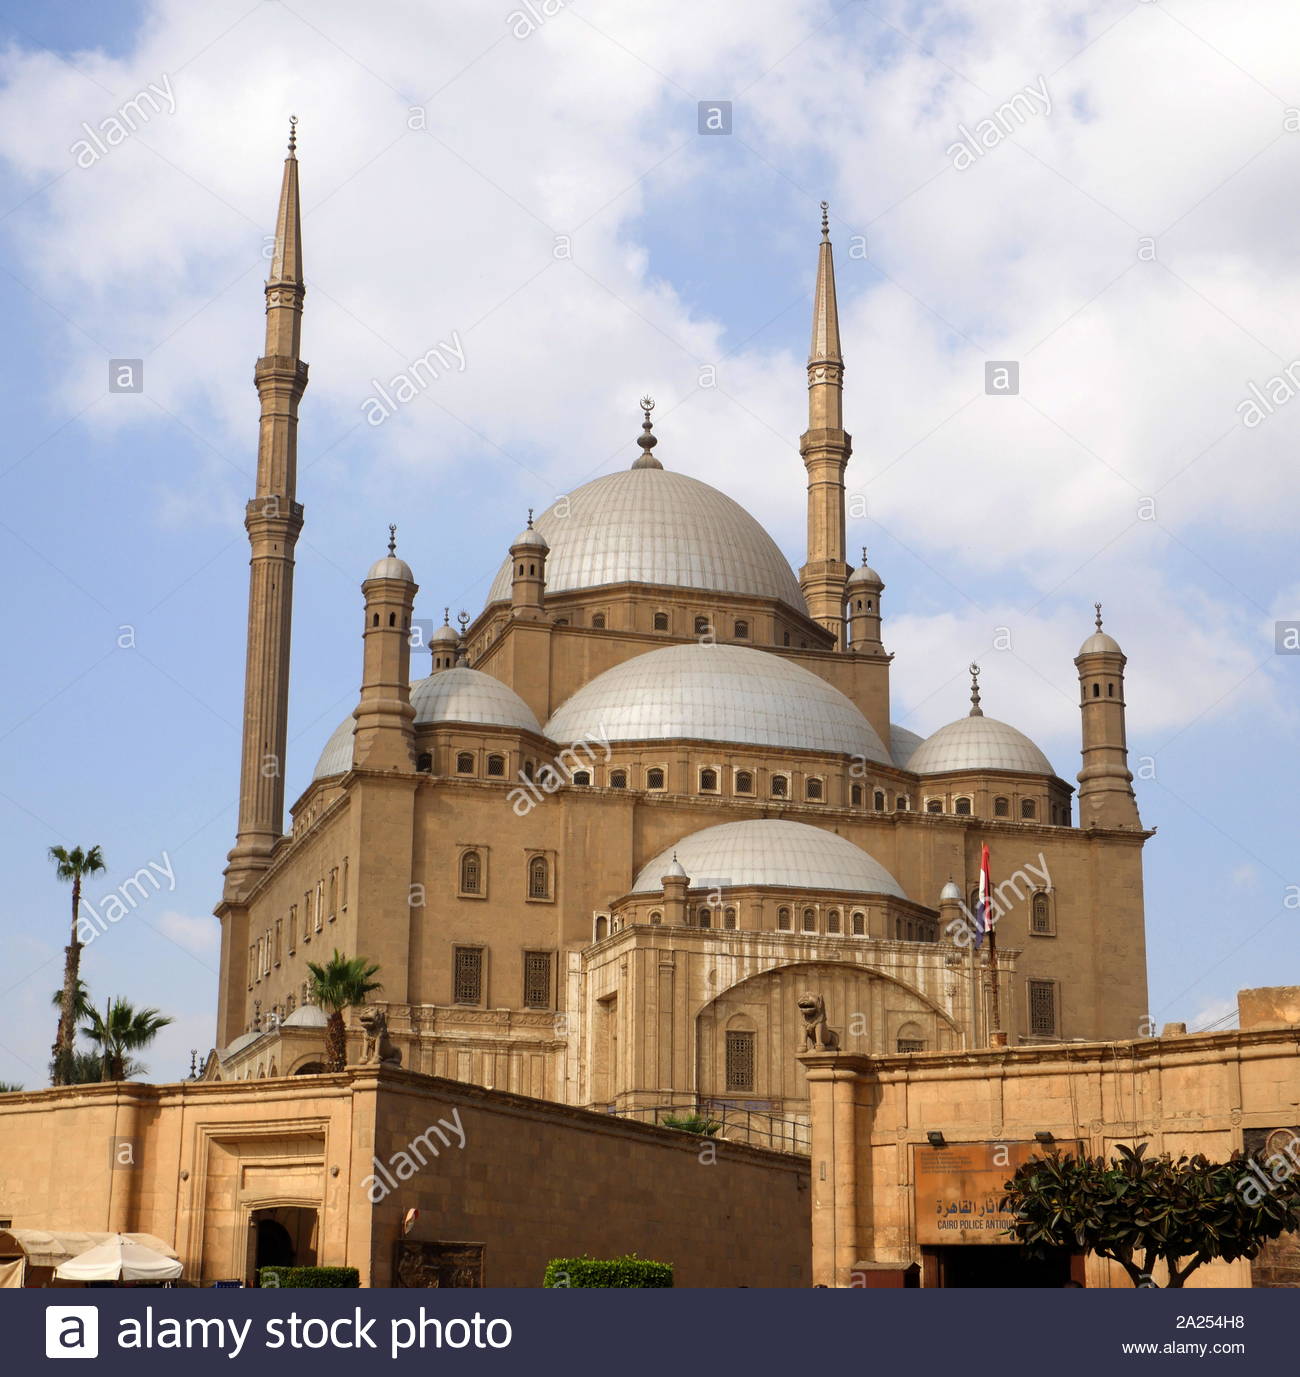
283,1236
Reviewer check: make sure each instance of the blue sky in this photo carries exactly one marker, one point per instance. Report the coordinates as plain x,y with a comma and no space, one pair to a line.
121,526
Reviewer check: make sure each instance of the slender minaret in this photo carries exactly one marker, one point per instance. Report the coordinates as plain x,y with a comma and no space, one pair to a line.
273,520
384,738
1106,796
825,447
864,589
528,553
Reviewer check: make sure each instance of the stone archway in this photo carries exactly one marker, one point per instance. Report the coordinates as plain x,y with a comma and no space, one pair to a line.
756,1023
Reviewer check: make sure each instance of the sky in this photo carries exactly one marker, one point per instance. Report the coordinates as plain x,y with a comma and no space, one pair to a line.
1103,193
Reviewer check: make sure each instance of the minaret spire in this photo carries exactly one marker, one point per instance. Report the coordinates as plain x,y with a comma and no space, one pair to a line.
825,447
273,520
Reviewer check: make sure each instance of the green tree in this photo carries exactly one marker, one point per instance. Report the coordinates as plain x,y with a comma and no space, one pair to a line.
71,866
120,1030
9,1087
1139,1210
338,984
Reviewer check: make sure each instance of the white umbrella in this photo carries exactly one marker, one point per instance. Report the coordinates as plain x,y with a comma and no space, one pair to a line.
119,1260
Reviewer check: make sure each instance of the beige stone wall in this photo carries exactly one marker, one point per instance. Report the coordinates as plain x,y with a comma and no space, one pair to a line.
1190,1094
533,1180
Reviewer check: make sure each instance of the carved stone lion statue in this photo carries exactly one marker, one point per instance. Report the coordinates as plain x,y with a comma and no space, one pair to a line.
817,1036
379,1049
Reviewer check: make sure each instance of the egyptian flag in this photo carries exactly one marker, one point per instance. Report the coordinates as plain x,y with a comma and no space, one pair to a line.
984,905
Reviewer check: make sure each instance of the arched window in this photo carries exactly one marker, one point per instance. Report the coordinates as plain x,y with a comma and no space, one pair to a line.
878,800
708,781
911,1038
424,762
903,804
656,919
702,627
618,779
741,631
855,795
859,925
780,786
833,920
783,919
539,878
729,919
1028,808
934,805
962,807
1096,690
1001,807
471,873
661,621
465,763
496,766
654,778
376,620
528,769
812,790
582,777
744,782
706,918
809,920
598,621
1040,915
602,928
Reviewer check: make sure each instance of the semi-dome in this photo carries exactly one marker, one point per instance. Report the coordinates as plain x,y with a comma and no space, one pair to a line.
307,1016
716,693
771,852
650,525
452,695
903,745
979,743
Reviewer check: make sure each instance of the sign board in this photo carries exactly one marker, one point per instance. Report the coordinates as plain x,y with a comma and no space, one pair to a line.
957,1188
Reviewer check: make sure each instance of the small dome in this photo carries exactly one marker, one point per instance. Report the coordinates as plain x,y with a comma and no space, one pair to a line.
242,1041
390,567
675,870
949,892
531,537
979,743
903,745
306,1016
772,852
1099,642
445,635
650,525
864,573
716,693
454,695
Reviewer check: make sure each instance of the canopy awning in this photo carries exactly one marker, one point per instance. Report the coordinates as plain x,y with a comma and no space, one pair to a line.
52,1248
120,1259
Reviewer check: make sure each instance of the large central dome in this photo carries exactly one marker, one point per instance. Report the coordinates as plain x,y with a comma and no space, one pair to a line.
649,525
716,693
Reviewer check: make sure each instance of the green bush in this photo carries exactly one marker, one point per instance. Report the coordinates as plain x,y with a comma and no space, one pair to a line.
312,1278
692,1123
630,1271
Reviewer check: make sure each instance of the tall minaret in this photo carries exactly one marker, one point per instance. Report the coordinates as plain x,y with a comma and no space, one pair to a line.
1105,782
825,447
384,737
273,520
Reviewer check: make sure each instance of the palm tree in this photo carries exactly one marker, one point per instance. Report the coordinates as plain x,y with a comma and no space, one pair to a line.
71,866
338,984
121,1030
78,1067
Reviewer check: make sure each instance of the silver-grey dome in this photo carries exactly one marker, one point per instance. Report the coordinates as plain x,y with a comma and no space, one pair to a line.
979,743
307,1016
716,693
771,852
452,695
903,745
651,525
390,567
950,892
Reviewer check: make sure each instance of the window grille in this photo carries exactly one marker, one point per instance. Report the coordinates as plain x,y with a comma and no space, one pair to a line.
464,763
496,766
471,873
740,1061
1042,1009
813,789
469,975
537,980
744,782
539,878
654,778
1040,914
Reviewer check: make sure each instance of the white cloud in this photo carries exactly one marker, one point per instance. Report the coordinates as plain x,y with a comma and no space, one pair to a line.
201,935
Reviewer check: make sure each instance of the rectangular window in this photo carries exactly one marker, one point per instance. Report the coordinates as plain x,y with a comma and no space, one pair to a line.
279,924
306,916
469,975
1042,1008
740,1061
343,897
334,893
537,980
293,928
320,904
252,966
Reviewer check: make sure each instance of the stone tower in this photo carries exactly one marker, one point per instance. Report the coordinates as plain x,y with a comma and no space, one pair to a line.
528,581
864,589
1105,782
273,520
384,737
825,447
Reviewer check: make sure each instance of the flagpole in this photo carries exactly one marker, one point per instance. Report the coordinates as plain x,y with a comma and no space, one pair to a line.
993,973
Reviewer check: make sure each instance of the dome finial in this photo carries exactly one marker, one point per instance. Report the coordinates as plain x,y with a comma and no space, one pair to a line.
975,709
864,556
293,135
392,538
826,224
647,439
446,616
530,518
1097,605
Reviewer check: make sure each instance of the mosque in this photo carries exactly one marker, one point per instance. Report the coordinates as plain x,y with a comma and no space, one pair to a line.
651,795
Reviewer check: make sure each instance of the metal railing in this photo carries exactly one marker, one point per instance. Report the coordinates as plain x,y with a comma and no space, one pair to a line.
736,1123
